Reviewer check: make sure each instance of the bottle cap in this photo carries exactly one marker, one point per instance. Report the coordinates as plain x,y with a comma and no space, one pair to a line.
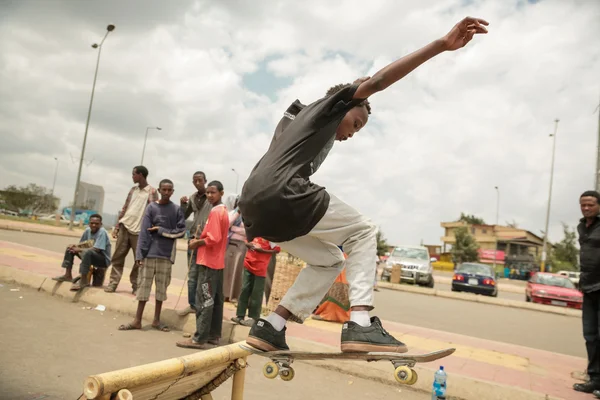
442,367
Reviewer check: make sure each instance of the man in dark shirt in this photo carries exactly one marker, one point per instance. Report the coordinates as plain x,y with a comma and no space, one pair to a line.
589,284
163,223
279,203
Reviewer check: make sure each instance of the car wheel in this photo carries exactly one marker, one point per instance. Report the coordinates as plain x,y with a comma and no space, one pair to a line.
430,283
527,299
495,294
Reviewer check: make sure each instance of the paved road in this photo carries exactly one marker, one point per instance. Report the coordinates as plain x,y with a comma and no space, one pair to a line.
534,329
50,346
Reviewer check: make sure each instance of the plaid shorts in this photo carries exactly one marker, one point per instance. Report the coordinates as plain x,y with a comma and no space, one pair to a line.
159,270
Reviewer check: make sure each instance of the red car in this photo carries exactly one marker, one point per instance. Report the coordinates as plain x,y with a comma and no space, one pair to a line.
553,289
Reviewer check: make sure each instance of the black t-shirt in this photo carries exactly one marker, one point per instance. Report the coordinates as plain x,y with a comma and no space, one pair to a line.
278,201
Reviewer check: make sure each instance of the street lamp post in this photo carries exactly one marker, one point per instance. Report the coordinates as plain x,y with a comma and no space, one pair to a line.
55,173
145,139
543,266
237,180
109,29
496,227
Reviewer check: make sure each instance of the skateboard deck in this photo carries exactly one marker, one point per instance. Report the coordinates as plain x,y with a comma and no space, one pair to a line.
281,361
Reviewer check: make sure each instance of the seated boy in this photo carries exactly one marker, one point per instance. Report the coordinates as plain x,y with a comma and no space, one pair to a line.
94,249
256,262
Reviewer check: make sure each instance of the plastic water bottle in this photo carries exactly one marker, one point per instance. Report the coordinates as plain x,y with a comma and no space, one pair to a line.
439,385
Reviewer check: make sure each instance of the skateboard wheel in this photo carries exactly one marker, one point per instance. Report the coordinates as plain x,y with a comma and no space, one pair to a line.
287,374
270,370
403,374
414,379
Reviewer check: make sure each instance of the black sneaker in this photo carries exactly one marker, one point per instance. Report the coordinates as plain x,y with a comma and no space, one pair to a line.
266,338
587,387
359,339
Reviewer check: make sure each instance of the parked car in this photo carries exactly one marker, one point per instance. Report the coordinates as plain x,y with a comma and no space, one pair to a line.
475,278
415,262
51,217
553,289
572,275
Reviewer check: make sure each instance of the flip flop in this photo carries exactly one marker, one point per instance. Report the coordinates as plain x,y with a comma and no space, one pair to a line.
190,344
162,328
128,327
61,279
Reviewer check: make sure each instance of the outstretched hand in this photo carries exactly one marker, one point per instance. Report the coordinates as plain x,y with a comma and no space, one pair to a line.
463,32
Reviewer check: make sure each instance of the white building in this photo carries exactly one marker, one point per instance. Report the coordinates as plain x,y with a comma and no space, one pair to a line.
90,196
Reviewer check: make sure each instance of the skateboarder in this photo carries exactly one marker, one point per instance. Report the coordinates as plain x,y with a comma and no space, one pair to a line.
279,203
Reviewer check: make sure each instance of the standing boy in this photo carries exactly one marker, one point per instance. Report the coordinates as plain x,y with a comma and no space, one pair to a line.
210,261
256,262
128,229
162,225
281,204
197,205
93,250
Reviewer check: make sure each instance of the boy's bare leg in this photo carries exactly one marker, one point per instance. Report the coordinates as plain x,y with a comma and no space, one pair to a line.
137,322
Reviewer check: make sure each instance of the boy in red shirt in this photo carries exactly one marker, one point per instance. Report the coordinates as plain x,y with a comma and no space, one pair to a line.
256,262
210,261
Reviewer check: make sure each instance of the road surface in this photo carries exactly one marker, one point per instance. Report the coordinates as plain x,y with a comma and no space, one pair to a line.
551,332
50,346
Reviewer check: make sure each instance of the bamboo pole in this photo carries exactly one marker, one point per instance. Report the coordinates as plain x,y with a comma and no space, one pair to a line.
124,394
237,389
134,377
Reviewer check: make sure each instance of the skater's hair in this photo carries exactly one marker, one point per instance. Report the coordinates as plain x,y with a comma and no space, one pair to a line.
216,184
96,216
591,193
200,173
140,169
165,181
334,89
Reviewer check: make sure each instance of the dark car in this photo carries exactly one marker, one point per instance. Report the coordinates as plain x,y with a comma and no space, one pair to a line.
475,278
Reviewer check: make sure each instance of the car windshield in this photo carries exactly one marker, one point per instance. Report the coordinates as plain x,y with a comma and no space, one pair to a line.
407,252
476,269
553,280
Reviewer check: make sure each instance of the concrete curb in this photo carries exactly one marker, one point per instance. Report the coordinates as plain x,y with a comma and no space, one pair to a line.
461,387
481,299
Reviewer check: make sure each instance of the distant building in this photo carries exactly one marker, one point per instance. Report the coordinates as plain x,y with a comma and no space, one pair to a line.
90,197
512,243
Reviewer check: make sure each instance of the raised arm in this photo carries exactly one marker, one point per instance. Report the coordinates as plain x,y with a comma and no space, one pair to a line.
458,37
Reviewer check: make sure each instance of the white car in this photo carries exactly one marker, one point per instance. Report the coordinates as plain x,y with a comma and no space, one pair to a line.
52,217
415,262
572,275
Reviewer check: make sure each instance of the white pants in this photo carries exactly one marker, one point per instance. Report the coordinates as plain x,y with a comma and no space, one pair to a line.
340,226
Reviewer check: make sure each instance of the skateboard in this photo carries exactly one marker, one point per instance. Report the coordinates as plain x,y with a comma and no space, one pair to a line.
404,373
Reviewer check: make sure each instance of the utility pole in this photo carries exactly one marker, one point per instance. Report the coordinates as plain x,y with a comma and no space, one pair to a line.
496,227
543,265
597,174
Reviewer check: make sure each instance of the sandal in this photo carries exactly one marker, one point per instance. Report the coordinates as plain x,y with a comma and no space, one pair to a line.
190,344
128,327
110,289
62,278
78,286
162,328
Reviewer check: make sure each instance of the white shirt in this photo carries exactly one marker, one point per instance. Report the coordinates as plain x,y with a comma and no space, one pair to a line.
132,220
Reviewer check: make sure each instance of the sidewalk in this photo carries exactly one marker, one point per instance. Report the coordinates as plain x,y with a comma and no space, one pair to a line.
479,369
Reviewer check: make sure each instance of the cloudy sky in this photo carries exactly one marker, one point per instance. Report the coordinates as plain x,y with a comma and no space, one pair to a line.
217,76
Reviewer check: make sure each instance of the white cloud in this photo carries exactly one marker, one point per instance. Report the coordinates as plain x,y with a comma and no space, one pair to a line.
437,144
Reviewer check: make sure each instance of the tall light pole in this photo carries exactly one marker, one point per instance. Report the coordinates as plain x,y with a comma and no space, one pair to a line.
496,227
145,139
237,180
55,173
109,29
597,174
543,266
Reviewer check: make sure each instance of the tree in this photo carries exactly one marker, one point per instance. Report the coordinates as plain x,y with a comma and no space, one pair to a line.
471,219
465,248
564,256
382,244
33,198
